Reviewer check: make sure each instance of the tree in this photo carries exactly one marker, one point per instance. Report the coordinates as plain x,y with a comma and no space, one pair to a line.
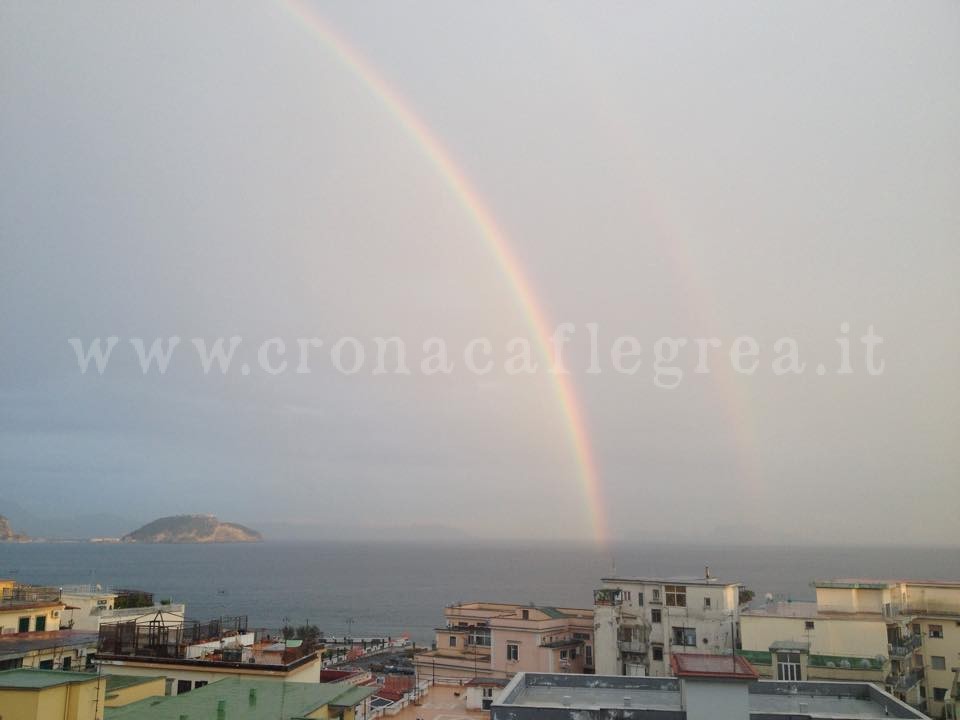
746,596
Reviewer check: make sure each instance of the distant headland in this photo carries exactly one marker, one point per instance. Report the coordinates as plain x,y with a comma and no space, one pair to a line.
192,529
7,534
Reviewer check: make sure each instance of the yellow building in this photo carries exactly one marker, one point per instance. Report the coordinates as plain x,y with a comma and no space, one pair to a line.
123,690
45,694
904,634
25,608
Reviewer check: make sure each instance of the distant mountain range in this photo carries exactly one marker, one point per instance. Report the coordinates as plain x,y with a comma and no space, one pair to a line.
192,529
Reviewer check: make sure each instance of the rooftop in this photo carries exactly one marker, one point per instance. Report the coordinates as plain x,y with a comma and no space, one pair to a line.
593,697
679,580
245,700
806,610
720,667
18,644
881,583
29,679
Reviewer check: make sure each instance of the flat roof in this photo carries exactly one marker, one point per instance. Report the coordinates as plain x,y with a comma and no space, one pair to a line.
807,611
679,580
572,697
720,667
881,583
18,644
244,700
31,679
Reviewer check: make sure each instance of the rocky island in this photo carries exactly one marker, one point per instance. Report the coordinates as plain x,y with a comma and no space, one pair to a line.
192,529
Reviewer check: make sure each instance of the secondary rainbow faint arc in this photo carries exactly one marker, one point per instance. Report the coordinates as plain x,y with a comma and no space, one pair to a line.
475,207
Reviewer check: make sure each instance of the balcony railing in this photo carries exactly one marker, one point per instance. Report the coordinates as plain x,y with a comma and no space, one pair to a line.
608,596
25,595
632,646
904,681
905,646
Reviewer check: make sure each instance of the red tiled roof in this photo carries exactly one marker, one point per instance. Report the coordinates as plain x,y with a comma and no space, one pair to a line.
729,667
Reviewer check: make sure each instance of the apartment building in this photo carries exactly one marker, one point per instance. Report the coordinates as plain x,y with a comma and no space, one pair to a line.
191,655
30,634
28,608
640,623
46,694
90,606
701,687
497,640
904,634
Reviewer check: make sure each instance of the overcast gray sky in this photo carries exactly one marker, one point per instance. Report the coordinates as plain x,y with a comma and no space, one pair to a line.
661,169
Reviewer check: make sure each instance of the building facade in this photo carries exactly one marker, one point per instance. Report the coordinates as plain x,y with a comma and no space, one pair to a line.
904,634
497,640
640,623
47,694
191,655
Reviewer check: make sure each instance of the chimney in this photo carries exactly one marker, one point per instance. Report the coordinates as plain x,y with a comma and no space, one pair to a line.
706,572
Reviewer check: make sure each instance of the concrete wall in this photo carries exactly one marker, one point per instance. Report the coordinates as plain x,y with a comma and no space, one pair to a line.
133,693
710,700
10,618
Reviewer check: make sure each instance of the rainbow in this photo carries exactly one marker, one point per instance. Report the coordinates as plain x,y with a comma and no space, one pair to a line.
477,210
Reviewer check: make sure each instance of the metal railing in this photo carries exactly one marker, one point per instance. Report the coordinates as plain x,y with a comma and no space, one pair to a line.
904,681
905,646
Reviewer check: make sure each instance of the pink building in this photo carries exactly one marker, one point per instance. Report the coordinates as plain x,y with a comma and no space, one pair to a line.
500,639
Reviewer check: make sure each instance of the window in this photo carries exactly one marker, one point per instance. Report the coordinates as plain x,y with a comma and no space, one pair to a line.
589,654
199,684
480,637
685,636
513,652
916,629
640,599
936,631
655,615
676,595
488,692
656,595
40,623
706,603
808,624
526,614
23,625
46,665
453,641
184,686
939,694
658,653
788,666
938,662
65,665
563,654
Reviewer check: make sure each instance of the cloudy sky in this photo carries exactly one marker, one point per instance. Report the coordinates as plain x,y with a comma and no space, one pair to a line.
206,170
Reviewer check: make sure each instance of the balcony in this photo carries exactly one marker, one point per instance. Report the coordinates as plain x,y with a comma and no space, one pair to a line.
608,596
638,647
904,681
905,646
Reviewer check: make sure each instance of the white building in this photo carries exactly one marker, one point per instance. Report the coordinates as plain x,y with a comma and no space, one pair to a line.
639,623
90,606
